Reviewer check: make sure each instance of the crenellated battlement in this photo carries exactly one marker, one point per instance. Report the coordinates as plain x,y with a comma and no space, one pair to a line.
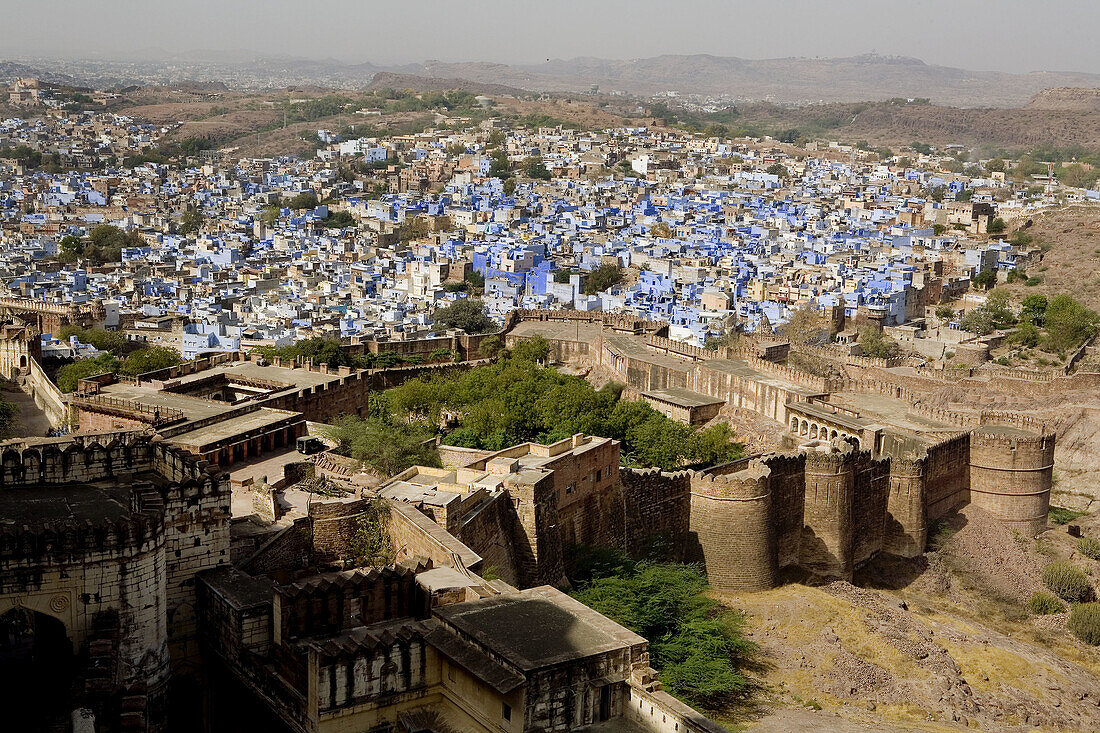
749,484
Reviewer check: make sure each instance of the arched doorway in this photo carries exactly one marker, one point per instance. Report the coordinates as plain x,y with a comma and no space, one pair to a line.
36,668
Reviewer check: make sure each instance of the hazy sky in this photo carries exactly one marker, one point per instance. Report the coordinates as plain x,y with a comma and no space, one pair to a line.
1007,35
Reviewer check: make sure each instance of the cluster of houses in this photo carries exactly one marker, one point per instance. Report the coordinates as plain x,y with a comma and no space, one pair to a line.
701,232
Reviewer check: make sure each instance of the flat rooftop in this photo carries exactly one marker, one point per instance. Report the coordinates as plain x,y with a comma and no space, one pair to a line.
683,397
239,589
412,493
239,425
559,330
880,408
538,627
73,502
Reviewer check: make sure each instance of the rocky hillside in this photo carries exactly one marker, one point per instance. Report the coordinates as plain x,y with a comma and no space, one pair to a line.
1066,99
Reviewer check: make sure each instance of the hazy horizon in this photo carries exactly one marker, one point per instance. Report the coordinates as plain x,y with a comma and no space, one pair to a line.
1014,36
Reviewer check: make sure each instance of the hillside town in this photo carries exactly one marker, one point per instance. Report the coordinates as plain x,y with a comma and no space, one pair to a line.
652,223
514,424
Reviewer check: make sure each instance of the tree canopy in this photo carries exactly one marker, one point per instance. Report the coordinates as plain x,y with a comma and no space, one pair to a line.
602,278
697,646
517,399
467,314
386,447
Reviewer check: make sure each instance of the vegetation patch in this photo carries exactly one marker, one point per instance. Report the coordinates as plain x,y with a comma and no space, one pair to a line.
1067,581
517,399
697,645
1059,515
1044,604
1089,547
1084,622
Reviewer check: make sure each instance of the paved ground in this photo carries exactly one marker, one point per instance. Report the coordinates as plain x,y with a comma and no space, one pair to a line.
31,420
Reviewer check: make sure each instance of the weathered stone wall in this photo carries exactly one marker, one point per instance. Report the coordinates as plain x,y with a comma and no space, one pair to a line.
826,547
488,531
197,519
76,570
946,476
871,495
906,530
787,481
537,541
334,524
415,535
332,602
655,509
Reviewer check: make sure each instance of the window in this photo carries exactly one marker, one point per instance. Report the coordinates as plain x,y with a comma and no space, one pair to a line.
599,475
451,672
506,711
569,488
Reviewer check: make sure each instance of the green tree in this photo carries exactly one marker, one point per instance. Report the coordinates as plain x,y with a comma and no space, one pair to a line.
1068,323
1026,334
715,445
490,346
984,279
534,168
316,350
371,545
149,359
698,646
191,221
466,314
876,344
509,185
271,214
68,375
387,448
808,326
997,226
1033,309
304,200
106,242
113,341
661,229
602,278
777,169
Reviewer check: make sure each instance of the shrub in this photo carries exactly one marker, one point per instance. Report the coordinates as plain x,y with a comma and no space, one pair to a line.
1067,581
1042,604
1089,547
1060,515
1084,621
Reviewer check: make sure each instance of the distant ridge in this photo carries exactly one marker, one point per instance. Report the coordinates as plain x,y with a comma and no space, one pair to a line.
786,81
1066,99
417,83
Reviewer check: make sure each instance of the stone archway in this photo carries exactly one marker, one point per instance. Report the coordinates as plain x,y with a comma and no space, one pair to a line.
36,670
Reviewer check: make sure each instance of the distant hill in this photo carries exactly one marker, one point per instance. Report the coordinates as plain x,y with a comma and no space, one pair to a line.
1066,100
417,83
12,70
788,80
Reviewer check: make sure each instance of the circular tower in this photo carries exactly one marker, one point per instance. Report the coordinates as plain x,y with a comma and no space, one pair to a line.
827,532
1011,471
731,519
